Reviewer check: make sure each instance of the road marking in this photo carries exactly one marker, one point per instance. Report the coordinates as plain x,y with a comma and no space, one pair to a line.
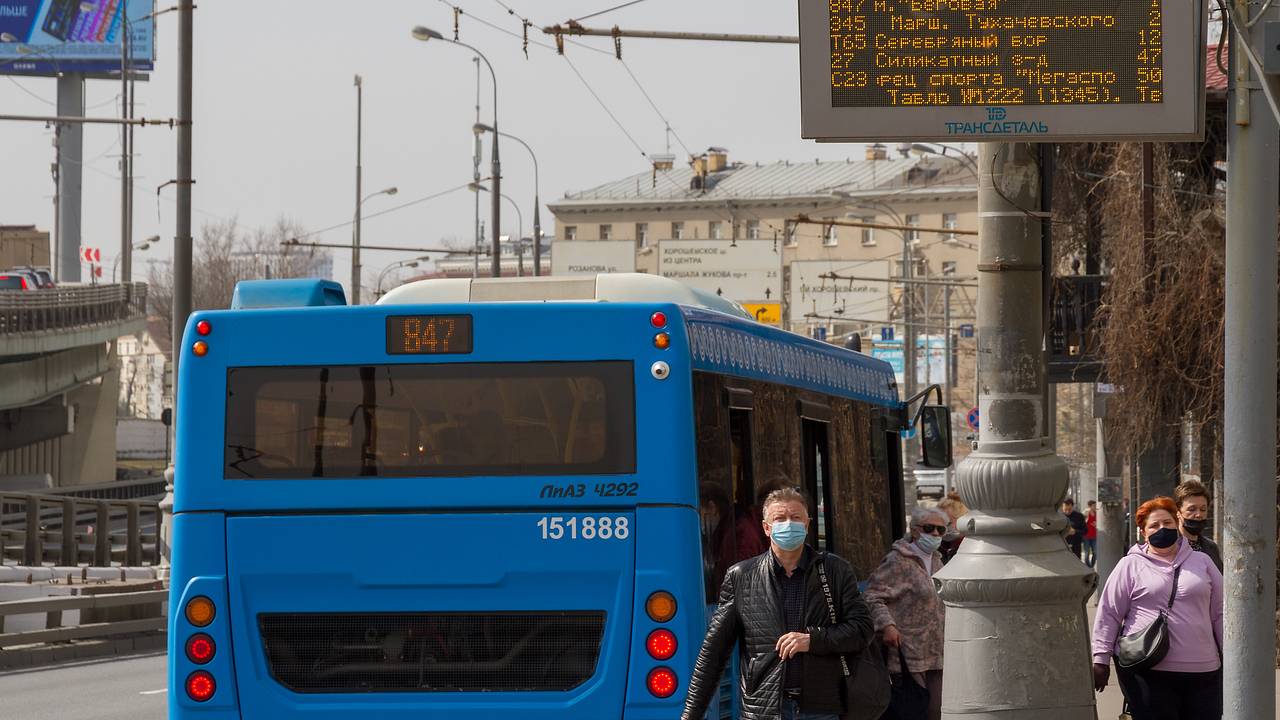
154,692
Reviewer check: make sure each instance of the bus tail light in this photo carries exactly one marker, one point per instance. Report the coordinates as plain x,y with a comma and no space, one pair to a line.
200,648
658,319
199,611
200,348
662,682
661,644
200,686
660,606
662,341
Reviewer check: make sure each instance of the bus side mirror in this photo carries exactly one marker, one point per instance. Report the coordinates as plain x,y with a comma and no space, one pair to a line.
935,436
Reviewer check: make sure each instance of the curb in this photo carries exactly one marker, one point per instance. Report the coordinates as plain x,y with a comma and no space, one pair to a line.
31,656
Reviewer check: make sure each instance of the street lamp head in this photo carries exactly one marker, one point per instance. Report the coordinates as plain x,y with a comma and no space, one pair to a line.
411,264
359,81
476,187
143,246
391,191
152,239
424,34
481,128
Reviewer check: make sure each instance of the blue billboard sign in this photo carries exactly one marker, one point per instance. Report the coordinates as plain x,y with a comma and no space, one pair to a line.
42,37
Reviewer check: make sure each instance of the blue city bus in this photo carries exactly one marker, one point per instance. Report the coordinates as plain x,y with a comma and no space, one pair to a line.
495,498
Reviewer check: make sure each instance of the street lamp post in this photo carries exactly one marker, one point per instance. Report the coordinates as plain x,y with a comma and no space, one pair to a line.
477,187
426,34
401,264
140,247
479,128
356,269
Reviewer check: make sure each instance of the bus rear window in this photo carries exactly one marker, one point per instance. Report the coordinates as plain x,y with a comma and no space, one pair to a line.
448,420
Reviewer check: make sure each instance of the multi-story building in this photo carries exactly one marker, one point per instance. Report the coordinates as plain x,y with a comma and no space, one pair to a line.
145,367
23,245
859,220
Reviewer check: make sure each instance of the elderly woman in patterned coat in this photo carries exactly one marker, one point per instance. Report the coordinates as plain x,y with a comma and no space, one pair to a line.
905,606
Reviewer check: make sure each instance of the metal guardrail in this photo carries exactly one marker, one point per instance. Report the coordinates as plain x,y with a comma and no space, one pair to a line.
55,606
23,311
140,489
36,528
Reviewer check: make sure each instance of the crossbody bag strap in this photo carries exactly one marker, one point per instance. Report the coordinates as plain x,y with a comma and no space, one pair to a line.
1173,593
831,608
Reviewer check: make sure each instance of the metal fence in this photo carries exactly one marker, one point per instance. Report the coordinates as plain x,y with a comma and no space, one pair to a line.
64,530
146,615
23,311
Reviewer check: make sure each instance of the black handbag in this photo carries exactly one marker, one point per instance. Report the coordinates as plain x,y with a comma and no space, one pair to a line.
1145,649
909,700
866,680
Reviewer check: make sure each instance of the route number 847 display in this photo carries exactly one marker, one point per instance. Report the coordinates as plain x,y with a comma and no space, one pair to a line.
584,528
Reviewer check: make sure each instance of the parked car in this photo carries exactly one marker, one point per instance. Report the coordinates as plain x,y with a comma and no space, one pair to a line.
14,281
931,483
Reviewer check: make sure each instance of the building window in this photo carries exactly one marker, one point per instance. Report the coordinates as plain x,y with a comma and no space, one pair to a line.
913,221
950,221
948,267
753,229
829,236
677,231
642,234
570,232
606,232
792,240
715,230
868,234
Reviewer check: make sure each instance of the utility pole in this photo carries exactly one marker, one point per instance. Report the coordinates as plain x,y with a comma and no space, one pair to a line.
355,237
909,363
70,175
475,173
1017,643
1249,425
949,374
126,243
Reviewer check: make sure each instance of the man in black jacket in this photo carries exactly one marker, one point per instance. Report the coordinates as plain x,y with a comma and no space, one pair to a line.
774,605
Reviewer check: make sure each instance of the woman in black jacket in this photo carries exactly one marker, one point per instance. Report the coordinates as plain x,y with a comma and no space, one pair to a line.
775,607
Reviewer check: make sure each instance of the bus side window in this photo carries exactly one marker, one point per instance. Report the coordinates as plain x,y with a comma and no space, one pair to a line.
816,453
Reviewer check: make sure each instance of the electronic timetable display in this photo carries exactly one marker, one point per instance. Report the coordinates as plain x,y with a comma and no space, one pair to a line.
428,334
1002,69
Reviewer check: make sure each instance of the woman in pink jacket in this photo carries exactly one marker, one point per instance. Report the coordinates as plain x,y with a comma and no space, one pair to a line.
1186,684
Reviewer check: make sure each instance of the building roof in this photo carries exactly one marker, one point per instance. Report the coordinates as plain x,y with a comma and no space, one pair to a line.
778,181
1215,80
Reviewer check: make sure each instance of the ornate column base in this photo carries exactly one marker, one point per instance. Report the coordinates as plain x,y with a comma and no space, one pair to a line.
1017,634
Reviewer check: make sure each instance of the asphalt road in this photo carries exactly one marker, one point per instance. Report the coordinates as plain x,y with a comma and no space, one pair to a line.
110,689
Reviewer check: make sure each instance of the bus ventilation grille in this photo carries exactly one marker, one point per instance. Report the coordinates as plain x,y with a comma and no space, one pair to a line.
431,652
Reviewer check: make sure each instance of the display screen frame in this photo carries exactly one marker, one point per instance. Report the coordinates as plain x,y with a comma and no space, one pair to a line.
395,328
1179,118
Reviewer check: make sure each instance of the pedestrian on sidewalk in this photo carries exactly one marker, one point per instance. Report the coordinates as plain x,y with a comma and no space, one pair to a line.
905,606
774,609
955,509
1091,534
1075,526
1164,576
1193,515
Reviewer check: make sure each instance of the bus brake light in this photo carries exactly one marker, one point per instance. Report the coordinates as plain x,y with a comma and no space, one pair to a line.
200,686
661,644
660,606
658,319
200,649
203,327
662,682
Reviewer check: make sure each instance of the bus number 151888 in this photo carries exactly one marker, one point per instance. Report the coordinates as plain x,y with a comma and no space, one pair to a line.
585,528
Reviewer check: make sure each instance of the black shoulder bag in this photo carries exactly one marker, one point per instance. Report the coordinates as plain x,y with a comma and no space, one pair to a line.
1145,649
867,681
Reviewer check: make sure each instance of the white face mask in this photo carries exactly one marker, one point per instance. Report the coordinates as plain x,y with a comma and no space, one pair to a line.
928,543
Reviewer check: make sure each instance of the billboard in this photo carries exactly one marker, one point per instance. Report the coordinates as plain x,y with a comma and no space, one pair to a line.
861,300
973,70
744,271
42,37
589,257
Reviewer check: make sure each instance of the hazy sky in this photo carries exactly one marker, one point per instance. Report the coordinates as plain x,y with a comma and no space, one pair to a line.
275,114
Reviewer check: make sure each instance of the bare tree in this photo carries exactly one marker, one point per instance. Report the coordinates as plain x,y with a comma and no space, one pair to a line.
226,253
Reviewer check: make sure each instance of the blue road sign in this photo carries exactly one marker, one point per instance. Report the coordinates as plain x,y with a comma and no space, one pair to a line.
972,419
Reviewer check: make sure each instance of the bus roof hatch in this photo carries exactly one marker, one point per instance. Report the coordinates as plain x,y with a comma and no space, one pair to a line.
302,292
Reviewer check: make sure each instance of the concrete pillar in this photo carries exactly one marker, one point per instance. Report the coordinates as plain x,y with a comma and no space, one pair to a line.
88,455
1017,637
70,176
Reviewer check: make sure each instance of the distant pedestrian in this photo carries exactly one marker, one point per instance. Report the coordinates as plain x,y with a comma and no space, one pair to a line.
1185,684
1192,498
955,509
905,606
1091,534
1075,526
774,610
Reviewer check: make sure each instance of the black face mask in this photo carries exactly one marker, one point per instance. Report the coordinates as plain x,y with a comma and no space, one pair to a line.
1195,527
1163,538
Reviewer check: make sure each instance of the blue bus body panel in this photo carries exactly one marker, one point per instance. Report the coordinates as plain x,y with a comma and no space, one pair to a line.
418,563
300,292
523,332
